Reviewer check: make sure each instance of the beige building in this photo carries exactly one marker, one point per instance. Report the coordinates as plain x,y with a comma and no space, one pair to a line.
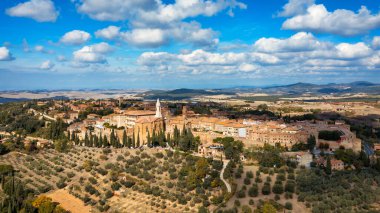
348,139
134,122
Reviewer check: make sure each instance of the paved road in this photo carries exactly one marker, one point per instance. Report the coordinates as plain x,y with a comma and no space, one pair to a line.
225,163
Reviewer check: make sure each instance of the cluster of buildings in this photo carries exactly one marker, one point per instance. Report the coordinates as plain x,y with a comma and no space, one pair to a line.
148,118
260,132
136,123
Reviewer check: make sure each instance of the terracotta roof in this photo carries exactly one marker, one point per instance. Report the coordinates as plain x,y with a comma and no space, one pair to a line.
147,120
139,112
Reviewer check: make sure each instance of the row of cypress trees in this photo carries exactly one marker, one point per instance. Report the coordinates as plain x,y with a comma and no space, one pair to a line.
184,140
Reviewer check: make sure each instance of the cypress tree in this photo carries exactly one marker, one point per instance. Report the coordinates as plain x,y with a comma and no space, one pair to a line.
328,166
73,136
100,144
154,138
133,140
184,133
91,140
148,138
118,145
138,139
86,139
125,140
105,141
112,138
76,140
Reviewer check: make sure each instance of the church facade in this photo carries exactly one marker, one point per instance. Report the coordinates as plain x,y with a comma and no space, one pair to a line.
148,125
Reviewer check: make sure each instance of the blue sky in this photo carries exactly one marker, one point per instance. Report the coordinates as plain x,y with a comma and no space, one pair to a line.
75,44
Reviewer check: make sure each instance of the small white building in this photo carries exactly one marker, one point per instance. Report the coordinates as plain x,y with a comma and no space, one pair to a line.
302,158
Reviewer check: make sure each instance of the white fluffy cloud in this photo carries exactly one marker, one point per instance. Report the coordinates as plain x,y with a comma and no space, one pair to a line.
341,22
299,42
164,21
153,11
75,37
300,53
110,33
93,53
182,9
247,67
113,10
191,33
295,7
47,65
39,10
194,34
201,57
349,51
145,37
5,54
201,61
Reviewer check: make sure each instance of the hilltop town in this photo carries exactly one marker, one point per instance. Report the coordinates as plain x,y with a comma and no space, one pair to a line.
121,154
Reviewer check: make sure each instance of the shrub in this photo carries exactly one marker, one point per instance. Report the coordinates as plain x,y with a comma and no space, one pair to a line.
278,189
61,184
159,155
70,174
92,180
202,209
169,185
266,189
249,174
237,175
108,194
280,177
253,191
107,151
128,183
217,200
90,189
59,169
247,181
246,209
291,176
290,186
288,206
103,157
251,202
288,195
237,203
115,186
258,180
241,193
217,165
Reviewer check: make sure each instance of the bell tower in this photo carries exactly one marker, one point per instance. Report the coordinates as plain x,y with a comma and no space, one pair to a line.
158,109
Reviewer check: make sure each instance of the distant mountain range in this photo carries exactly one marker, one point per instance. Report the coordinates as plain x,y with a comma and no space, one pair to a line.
302,88
180,94
291,89
296,89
